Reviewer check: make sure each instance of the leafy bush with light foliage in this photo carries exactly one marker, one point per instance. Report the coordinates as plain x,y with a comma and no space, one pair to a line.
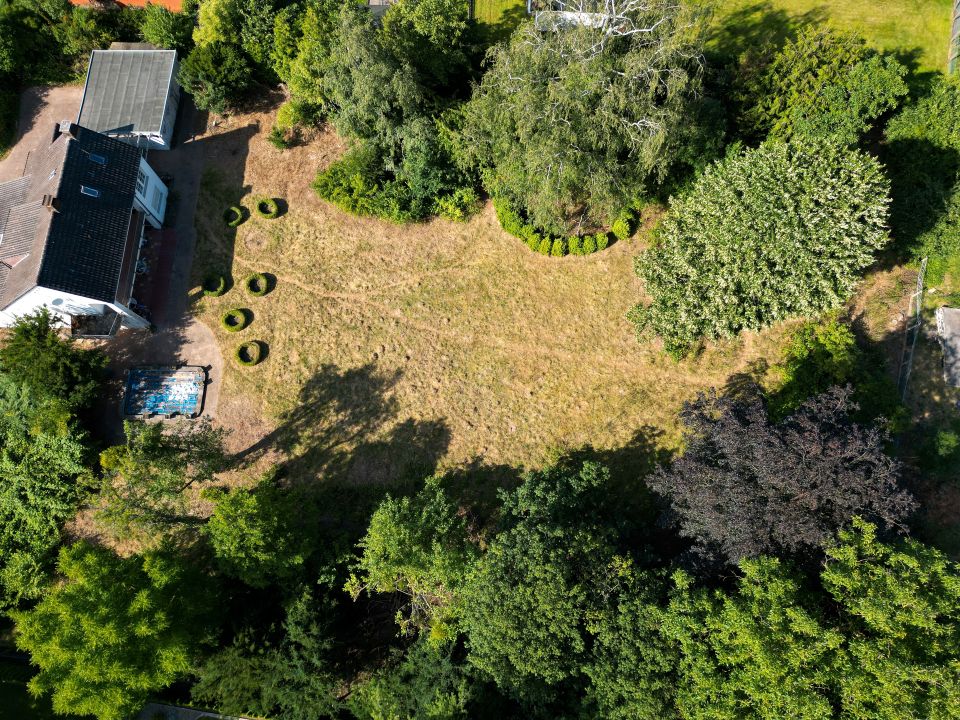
780,231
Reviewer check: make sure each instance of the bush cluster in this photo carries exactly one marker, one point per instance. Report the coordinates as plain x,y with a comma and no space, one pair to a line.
249,353
214,285
546,244
268,208
234,216
234,320
257,284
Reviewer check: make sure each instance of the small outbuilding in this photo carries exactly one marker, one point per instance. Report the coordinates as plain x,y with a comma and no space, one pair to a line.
948,329
132,94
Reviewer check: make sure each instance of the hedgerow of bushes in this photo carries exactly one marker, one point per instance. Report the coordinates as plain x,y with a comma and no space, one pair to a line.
547,244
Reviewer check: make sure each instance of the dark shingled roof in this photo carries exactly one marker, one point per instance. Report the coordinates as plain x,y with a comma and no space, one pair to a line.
78,246
126,90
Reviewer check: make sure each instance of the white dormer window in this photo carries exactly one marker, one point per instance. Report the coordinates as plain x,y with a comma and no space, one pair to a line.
89,191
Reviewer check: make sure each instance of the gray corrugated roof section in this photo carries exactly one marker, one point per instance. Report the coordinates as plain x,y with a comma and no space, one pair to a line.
126,90
948,328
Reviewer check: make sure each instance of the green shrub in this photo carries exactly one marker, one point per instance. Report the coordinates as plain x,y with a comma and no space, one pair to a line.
356,184
234,215
545,246
559,248
249,353
533,240
214,285
575,245
268,208
280,139
257,284
508,218
589,244
737,252
622,226
602,240
234,320
458,205
290,115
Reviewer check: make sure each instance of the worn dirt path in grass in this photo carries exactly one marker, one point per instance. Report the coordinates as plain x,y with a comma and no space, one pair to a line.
395,349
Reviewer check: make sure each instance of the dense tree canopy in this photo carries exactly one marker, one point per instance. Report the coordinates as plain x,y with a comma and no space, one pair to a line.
146,481
923,157
387,97
35,354
822,83
527,603
746,486
114,631
257,533
417,547
42,480
761,236
570,126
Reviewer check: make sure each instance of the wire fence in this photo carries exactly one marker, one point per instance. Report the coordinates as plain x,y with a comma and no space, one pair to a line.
954,53
911,332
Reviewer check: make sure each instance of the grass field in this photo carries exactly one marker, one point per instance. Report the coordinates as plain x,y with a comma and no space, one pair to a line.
918,29
435,342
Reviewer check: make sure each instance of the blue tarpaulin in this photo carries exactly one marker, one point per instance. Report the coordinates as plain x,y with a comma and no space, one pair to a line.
164,391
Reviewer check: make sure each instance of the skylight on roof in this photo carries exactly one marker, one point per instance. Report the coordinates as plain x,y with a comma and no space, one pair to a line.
92,192
98,159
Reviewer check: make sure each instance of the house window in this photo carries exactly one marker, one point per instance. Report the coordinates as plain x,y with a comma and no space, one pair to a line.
98,159
89,191
157,198
142,183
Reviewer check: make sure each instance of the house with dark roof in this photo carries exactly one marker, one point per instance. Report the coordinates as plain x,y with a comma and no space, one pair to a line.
131,94
71,229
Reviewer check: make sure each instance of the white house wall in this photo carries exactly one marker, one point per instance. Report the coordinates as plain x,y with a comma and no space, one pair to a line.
151,198
61,304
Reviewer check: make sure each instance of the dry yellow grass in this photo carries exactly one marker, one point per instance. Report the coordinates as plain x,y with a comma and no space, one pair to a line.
438,342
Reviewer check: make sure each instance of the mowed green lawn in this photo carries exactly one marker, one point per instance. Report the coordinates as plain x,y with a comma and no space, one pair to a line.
919,29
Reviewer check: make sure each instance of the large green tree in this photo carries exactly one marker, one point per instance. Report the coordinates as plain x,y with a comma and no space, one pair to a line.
570,124
114,631
38,356
823,82
416,547
901,620
259,534
287,677
527,604
147,481
42,480
780,231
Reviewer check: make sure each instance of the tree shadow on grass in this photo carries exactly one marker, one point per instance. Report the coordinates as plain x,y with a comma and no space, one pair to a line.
344,445
757,26
922,178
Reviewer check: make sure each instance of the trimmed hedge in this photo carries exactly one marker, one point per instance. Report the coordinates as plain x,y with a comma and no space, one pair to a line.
234,320
234,216
214,285
249,353
257,284
268,208
546,244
